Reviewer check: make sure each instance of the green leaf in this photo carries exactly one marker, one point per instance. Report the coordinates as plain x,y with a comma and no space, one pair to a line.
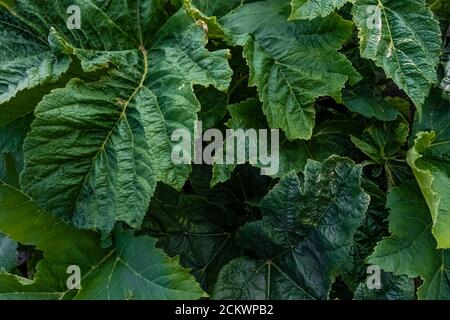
27,61
216,8
430,162
392,288
291,63
133,269
10,166
382,141
329,138
440,8
96,150
411,249
404,39
195,229
137,270
304,237
371,230
207,11
370,105
310,9
214,105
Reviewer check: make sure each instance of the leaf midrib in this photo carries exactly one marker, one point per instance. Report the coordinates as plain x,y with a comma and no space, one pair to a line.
120,118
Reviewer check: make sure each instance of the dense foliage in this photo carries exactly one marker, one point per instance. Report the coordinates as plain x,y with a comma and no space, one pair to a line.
360,90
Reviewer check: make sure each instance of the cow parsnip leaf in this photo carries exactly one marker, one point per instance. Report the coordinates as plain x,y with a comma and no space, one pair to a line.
371,230
214,105
137,270
404,39
207,12
133,269
382,141
304,238
310,9
96,150
291,63
27,61
216,8
329,138
12,136
430,160
411,249
369,104
195,229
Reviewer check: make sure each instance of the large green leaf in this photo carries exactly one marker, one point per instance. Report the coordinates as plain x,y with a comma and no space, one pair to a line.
96,150
11,163
291,63
411,249
310,9
430,160
304,238
404,39
329,138
133,269
199,231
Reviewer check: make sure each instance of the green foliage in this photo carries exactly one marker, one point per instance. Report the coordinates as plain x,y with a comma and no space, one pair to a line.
304,237
411,249
357,89
132,268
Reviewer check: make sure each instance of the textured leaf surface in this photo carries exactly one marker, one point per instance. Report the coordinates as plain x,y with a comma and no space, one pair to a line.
304,237
134,269
137,270
96,150
430,160
26,61
310,9
291,63
329,138
411,249
216,8
195,229
371,230
381,141
404,39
